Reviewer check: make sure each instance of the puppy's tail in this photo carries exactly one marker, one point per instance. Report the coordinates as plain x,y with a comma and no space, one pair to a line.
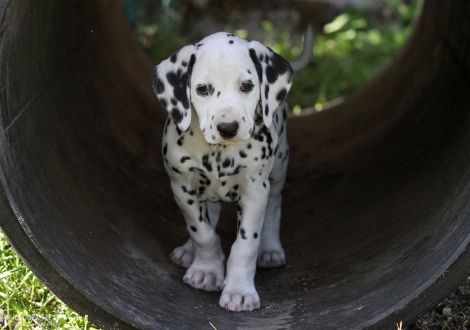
307,52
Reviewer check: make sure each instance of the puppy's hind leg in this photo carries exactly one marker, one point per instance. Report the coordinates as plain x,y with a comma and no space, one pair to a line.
270,253
183,255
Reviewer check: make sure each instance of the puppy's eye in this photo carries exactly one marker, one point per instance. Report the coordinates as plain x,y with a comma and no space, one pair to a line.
247,86
202,90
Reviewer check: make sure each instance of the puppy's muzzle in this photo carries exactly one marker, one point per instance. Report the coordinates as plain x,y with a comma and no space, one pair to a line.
228,130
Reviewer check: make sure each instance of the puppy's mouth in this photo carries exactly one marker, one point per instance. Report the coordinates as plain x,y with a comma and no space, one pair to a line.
228,142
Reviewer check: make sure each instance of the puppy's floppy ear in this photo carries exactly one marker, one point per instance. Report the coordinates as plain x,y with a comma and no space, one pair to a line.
171,83
275,77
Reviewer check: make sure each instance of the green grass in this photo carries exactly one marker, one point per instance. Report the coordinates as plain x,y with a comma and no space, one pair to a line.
25,303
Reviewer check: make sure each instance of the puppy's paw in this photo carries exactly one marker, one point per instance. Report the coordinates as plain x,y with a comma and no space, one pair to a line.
207,276
239,298
271,258
183,256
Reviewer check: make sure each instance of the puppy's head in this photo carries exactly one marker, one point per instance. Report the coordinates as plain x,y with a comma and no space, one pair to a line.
225,79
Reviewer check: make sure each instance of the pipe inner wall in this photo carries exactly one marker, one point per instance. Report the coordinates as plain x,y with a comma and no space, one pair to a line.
375,207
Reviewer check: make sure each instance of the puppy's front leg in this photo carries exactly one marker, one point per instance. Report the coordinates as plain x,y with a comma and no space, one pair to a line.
183,255
207,269
239,292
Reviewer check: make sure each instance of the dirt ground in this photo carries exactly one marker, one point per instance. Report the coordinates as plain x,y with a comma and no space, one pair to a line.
452,313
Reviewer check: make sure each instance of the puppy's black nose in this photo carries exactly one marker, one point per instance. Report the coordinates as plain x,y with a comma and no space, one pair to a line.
228,130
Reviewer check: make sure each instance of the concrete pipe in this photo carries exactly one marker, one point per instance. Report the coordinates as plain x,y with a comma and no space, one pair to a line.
375,214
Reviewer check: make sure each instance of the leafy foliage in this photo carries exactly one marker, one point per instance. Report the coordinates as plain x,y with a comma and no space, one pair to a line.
352,50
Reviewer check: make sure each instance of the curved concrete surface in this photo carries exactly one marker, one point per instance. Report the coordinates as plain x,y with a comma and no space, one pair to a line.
376,218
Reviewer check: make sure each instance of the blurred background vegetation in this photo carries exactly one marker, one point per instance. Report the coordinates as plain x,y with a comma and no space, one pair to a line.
350,49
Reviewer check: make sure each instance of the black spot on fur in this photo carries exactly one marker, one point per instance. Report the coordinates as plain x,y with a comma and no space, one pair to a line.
194,229
175,170
184,158
211,89
189,192
255,235
178,131
195,169
165,149
257,63
263,153
234,172
158,84
230,42
232,195
281,95
180,141
226,163
243,233
190,202
174,57
206,163
179,80
279,66
242,154
266,91
177,115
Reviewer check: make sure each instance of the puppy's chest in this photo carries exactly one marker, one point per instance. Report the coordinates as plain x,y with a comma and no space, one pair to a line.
218,172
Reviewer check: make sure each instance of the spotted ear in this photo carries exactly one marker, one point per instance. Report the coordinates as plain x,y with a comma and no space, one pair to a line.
275,76
171,83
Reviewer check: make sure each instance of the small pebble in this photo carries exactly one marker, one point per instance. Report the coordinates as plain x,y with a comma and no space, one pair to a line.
447,311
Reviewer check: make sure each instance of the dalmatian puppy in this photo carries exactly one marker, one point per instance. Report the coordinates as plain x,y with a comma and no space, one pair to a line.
225,141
